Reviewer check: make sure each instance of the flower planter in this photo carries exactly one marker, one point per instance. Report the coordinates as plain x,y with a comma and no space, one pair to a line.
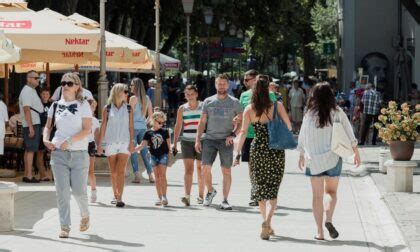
402,151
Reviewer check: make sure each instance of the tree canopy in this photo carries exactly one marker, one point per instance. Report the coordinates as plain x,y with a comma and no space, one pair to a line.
277,29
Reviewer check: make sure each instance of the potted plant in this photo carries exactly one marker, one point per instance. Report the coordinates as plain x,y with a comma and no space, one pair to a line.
399,129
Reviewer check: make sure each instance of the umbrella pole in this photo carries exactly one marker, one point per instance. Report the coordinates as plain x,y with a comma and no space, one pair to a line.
86,79
76,68
47,70
6,84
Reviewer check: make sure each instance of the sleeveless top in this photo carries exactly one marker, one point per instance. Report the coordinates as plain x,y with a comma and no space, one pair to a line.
117,128
139,119
191,119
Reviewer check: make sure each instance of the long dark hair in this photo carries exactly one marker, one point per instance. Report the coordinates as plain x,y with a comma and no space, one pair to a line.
260,96
321,102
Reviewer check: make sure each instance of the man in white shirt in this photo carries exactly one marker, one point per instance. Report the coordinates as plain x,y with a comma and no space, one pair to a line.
297,102
30,107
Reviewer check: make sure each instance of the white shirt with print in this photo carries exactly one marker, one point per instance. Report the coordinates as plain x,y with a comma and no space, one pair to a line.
68,121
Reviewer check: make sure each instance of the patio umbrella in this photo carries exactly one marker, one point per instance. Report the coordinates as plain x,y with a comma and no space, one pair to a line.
402,76
33,31
9,53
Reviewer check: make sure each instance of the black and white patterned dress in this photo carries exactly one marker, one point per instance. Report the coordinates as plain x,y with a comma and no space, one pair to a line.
267,166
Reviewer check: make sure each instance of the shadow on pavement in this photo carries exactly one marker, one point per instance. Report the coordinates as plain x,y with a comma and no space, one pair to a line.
248,210
306,210
99,204
92,238
353,243
26,214
4,250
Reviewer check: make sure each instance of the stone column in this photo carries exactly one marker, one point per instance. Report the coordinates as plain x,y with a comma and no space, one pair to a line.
400,175
7,206
384,155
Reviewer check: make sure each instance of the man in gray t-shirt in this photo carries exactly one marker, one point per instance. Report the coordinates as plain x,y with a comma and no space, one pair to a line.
217,118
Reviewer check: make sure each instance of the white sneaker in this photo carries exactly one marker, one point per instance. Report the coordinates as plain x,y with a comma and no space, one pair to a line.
225,205
93,196
164,201
158,202
209,198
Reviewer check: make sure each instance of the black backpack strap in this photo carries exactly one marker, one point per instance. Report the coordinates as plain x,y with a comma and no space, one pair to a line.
35,110
129,108
55,104
108,108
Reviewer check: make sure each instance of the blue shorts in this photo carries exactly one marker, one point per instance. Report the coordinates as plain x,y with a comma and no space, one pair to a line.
32,143
333,172
162,160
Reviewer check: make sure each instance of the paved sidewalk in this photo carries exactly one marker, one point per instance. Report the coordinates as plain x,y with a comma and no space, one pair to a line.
403,206
363,220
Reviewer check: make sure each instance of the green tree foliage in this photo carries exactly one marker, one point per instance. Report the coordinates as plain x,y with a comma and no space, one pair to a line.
324,23
278,28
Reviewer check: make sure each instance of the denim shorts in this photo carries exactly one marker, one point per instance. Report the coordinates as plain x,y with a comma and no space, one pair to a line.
333,172
212,147
162,160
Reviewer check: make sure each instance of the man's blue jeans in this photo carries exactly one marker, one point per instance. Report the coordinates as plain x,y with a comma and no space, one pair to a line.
138,136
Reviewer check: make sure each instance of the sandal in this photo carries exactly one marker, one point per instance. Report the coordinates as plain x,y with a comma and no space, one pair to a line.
45,179
265,232
64,233
319,239
331,229
271,231
84,224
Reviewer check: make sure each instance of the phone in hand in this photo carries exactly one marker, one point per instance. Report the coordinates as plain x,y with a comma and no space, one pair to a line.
174,152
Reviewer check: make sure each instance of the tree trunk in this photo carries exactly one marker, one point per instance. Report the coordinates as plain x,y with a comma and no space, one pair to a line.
173,37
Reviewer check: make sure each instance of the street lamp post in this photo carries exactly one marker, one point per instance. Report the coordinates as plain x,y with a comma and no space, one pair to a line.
158,89
208,18
188,8
102,81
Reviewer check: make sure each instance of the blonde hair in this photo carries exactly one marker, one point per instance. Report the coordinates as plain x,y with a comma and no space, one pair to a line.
76,80
114,95
158,115
140,93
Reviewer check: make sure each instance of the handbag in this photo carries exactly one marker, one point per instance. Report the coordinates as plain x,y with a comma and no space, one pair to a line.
340,142
42,117
53,127
279,136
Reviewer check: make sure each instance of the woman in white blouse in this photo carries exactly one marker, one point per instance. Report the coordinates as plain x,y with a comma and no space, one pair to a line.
323,166
72,119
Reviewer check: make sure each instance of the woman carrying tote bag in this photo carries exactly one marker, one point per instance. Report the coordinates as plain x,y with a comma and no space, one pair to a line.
323,165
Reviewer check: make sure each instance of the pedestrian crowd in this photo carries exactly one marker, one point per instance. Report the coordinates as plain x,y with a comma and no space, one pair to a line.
237,130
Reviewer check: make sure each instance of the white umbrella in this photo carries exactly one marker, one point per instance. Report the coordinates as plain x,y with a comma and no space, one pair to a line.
9,53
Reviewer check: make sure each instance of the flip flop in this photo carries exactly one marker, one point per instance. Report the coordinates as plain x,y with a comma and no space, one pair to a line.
319,239
331,229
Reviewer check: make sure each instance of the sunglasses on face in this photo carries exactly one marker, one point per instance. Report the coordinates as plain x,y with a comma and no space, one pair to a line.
126,91
159,122
68,83
35,78
246,80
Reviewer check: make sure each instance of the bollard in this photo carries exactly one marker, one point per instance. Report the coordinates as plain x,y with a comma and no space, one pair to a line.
400,175
384,155
7,206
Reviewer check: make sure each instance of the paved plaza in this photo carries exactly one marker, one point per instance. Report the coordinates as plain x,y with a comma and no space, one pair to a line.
362,218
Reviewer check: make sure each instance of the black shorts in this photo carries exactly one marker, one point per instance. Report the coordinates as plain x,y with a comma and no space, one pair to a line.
246,149
92,149
32,143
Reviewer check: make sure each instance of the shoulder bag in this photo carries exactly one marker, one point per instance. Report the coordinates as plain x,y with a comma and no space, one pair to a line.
340,142
279,136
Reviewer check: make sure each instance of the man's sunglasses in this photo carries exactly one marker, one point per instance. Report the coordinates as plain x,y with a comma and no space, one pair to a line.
68,83
36,78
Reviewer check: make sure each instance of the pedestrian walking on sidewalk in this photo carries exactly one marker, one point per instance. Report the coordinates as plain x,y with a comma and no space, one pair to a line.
371,104
159,141
322,165
117,138
188,118
250,79
71,117
219,111
266,165
143,108
93,139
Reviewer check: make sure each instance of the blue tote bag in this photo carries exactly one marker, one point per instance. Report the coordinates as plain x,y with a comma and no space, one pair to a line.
279,136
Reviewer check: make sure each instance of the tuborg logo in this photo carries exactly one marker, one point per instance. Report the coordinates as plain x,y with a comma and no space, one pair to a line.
77,41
